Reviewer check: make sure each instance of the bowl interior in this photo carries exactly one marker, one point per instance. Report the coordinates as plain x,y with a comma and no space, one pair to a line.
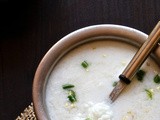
69,42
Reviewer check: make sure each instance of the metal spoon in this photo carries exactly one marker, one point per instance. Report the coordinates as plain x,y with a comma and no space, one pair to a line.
136,62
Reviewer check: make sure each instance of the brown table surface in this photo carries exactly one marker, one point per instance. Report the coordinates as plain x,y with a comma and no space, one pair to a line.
30,27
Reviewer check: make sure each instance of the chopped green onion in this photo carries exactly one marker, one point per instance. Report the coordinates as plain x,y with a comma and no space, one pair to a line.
140,75
72,93
84,64
149,93
157,79
67,86
72,99
114,83
72,96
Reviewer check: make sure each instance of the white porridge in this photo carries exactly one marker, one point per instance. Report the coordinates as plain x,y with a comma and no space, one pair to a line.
92,83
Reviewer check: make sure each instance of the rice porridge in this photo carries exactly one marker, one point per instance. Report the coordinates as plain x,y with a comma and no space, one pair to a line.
79,85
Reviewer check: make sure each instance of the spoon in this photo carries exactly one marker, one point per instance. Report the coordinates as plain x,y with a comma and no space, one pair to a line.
136,62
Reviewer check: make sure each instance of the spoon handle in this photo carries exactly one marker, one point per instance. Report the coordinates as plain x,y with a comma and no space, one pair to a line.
143,53
136,62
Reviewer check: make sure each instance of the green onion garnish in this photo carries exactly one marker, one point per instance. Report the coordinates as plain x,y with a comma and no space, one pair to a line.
114,83
72,93
157,79
84,64
149,93
72,99
140,75
67,86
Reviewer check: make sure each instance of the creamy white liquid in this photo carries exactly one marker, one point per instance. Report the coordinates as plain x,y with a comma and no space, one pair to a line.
107,60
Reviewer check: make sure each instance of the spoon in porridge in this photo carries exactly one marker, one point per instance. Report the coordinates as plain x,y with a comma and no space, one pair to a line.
136,62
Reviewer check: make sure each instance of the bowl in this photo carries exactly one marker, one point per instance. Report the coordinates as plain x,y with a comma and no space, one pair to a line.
72,40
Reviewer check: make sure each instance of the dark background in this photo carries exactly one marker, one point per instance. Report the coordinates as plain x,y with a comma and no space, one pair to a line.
28,28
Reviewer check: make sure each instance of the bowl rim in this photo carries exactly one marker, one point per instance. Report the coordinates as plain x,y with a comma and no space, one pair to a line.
71,39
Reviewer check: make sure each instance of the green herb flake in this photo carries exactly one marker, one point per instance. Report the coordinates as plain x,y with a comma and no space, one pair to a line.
149,93
72,99
140,75
67,86
157,79
72,96
114,83
72,93
84,64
